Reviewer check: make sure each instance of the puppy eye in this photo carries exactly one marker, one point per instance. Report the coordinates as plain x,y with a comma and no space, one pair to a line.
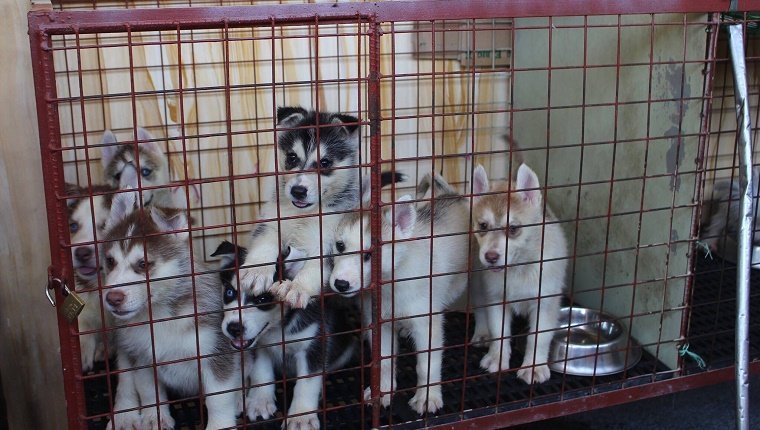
144,265
340,247
145,172
366,256
291,160
325,163
110,262
229,293
74,227
483,226
514,230
117,176
263,299
264,302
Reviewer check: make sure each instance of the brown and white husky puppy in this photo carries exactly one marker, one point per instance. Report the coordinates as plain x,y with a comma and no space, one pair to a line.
87,219
522,253
117,159
171,317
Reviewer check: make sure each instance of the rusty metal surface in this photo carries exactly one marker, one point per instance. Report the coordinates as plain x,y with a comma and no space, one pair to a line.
210,17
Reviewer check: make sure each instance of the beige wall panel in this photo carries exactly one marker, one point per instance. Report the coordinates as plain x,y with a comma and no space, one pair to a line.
29,351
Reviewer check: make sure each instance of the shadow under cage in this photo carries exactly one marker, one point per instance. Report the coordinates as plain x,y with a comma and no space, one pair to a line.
405,179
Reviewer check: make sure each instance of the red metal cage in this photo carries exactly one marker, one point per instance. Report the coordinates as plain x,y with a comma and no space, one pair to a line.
623,109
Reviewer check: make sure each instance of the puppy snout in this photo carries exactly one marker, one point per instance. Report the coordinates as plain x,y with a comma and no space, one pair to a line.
492,257
83,254
299,192
341,285
234,329
115,298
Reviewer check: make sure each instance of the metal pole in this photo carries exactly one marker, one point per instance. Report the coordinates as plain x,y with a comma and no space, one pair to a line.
736,46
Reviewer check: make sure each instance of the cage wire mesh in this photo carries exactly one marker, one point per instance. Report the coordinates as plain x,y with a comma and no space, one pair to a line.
626,119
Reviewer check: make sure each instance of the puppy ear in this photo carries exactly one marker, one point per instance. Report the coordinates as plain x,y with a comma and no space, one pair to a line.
226,252
169,219
350,123
108,151
288,115
402,215
480,183
147,143
122,205
527,185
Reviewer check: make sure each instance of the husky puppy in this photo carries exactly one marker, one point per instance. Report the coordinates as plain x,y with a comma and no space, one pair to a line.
154,166
317,161
147,265
423,285
724,211
309,344
83,229
512,229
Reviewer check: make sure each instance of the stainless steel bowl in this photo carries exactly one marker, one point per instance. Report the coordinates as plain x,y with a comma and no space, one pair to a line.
591,343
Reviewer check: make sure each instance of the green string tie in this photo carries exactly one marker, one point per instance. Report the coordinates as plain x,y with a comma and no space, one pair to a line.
703,246
684,352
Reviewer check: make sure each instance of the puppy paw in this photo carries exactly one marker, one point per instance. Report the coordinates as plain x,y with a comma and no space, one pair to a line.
293,293
260,278
492,362
480,336
151,421
88,348
125,421
260,403
385,399
427,399
302,422
534,375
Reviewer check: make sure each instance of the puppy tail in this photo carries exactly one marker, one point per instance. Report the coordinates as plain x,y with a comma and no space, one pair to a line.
434,183
516,154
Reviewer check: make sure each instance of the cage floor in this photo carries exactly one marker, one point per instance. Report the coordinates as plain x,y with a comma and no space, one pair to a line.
711,327
480,394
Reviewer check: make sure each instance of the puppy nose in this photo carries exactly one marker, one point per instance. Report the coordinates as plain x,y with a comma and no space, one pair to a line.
341,285
115,298
234,329
492,257
299,192
83,253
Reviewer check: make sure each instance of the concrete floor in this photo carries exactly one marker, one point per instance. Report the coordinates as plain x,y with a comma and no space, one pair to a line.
706,408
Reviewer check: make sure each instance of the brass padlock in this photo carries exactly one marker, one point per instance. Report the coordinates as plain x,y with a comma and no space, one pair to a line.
72,304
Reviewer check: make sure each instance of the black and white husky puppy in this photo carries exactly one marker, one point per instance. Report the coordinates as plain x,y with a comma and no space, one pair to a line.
171,317
318,153
87,219
310,345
